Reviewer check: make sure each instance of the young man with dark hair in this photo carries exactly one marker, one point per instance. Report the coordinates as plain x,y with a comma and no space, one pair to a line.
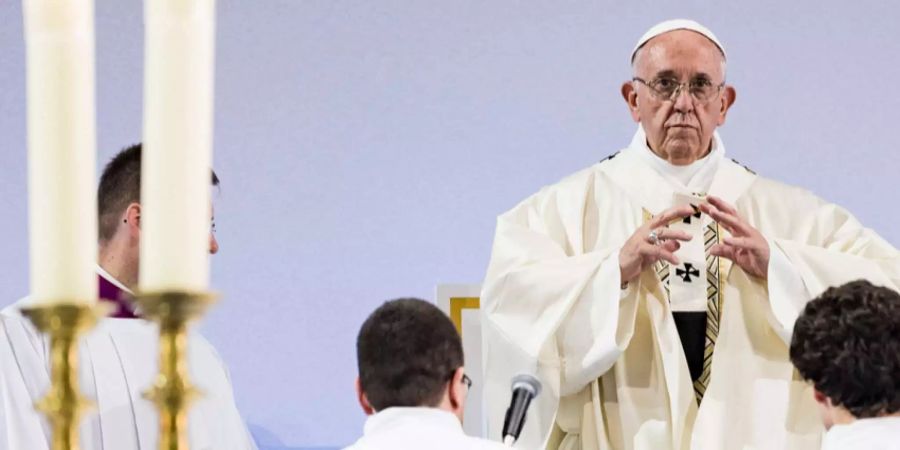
118,360
119,220
411,380
847,344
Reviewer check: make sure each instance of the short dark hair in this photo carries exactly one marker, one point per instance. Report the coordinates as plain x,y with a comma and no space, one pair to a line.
847,343
407,351
120,186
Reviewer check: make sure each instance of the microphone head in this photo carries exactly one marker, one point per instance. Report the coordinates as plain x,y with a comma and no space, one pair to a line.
528,382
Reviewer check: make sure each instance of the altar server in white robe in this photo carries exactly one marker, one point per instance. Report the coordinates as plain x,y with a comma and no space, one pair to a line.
846,343
654,293
118,357
412,383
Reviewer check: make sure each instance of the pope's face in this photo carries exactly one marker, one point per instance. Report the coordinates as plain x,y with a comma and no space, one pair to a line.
680,129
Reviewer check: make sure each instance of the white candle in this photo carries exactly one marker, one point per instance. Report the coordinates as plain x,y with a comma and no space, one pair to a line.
177,154
62,203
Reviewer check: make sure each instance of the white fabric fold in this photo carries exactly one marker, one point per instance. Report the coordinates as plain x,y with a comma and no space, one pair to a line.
693,178
877,433
787,294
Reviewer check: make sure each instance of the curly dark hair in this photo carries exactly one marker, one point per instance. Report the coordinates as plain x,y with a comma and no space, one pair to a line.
407,351
847,344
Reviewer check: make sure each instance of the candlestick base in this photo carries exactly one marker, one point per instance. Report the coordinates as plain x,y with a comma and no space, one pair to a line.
172,392
64,404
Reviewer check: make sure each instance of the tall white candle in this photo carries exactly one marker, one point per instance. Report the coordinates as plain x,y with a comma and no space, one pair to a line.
62,202
177,154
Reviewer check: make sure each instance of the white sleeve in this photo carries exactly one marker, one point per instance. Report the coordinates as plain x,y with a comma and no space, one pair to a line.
228,428
829,248
787,294
545,311
597,328
21,427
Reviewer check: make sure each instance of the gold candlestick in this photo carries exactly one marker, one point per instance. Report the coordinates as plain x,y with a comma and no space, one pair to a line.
63,404
172,392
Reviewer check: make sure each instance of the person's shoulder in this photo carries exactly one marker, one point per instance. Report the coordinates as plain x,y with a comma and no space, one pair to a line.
13,318
204,352
615,161
578,178
15,309
762,187
786,194
578,181
359,445
17,325
201,342
568,192
475,443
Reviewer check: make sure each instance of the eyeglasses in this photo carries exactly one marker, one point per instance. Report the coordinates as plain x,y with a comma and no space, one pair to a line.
467,381
665,89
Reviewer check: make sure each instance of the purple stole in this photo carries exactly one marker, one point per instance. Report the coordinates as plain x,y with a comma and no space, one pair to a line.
121,300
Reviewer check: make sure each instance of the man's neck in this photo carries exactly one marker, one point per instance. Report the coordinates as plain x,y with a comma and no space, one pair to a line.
843,417
682,163
112,259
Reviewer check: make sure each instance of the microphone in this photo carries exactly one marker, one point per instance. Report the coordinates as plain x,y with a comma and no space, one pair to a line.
525,388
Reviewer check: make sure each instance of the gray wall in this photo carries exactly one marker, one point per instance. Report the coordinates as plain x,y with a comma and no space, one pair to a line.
366,148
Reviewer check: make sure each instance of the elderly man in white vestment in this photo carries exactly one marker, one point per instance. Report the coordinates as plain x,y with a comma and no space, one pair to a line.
654,293
119,356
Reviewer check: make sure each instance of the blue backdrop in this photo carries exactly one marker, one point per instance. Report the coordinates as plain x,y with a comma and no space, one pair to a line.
366,147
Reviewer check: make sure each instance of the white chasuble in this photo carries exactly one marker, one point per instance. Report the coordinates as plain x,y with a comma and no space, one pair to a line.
611,361
20,426
118,362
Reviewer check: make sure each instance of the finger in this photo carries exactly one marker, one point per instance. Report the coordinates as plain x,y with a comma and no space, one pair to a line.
671,214
732,223
665,255
742,242
721,204
707,208
671,246
724,251
657,252
668,239
676,235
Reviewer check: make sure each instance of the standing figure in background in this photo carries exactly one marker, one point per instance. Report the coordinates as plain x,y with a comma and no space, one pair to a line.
118,357
119,220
